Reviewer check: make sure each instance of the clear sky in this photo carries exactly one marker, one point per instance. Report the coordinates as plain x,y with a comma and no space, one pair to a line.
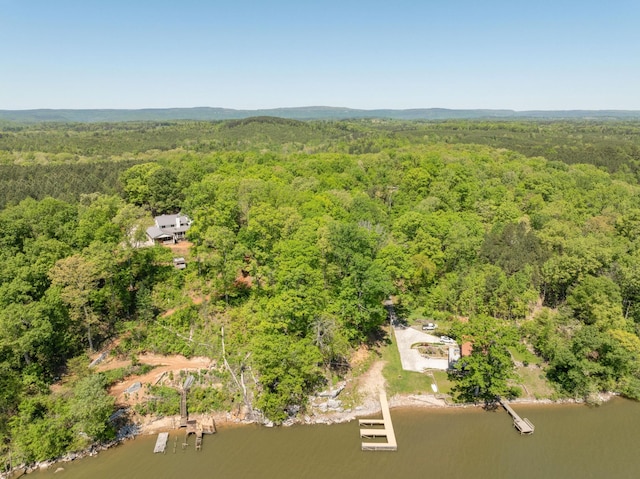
522,55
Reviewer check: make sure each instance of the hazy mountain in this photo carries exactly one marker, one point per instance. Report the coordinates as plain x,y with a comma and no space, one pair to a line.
300,113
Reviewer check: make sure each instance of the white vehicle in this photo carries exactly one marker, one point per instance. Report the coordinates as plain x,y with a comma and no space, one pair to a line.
429,327
447,340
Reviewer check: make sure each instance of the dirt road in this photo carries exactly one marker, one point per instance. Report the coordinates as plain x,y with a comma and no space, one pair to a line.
165,364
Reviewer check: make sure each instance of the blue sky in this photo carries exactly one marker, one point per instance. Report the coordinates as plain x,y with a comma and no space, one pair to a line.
518,55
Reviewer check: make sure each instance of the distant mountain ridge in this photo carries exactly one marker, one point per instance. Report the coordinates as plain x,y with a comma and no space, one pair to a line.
300,113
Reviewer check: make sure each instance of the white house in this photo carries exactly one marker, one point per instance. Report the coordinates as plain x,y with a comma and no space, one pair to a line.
169,228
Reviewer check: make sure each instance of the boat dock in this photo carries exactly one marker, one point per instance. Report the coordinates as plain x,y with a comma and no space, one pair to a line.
199,429
523,425
184,414
379,428
161,442
193,426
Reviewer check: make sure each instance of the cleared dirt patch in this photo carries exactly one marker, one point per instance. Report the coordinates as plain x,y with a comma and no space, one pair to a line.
165,365
180,249
371,383
360,356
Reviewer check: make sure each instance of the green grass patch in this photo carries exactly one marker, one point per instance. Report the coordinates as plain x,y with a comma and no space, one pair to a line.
535,384
418,316
522,354
163,400
400,381
445,385
207,399
115,375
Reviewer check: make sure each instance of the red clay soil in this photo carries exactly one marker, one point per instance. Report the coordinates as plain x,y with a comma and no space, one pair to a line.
165,364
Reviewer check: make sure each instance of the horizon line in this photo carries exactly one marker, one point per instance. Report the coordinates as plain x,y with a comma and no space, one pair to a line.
322,107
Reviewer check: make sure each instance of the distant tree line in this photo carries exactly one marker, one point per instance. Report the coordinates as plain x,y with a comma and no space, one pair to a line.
66,181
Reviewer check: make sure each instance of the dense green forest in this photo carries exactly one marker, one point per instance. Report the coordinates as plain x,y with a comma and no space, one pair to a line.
300,231
28,151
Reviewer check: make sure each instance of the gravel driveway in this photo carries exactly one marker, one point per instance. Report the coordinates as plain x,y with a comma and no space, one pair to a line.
411,358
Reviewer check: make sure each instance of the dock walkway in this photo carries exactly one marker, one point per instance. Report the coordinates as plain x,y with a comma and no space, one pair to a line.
521,424
184,415
385,431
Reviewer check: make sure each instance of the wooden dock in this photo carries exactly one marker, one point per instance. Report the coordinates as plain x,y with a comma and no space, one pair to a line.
161,442
208,427
199,429
379,428
523,425
192,425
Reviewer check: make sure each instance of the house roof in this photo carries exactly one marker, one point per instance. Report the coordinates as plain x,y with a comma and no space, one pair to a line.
156,233
165,226
173,229
171,219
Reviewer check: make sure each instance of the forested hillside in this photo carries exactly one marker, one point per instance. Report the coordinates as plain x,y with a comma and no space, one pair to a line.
300,231
28,151
299,113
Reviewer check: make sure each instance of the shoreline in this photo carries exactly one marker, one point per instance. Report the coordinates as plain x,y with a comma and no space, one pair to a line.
399,401
154,425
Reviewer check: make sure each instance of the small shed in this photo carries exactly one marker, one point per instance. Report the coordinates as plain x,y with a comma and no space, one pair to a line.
179,263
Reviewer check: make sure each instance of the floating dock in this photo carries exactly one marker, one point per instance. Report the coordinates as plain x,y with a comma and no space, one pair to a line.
524,426
379,428
161,442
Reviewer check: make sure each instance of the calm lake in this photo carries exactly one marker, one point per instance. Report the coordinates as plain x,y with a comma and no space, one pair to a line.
571,441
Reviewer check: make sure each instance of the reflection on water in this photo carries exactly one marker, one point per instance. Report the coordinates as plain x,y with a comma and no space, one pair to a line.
570,442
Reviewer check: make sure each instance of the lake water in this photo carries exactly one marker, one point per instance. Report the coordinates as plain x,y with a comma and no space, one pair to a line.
571,441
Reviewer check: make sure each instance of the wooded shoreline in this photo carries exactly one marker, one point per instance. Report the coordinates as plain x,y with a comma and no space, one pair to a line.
225,420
